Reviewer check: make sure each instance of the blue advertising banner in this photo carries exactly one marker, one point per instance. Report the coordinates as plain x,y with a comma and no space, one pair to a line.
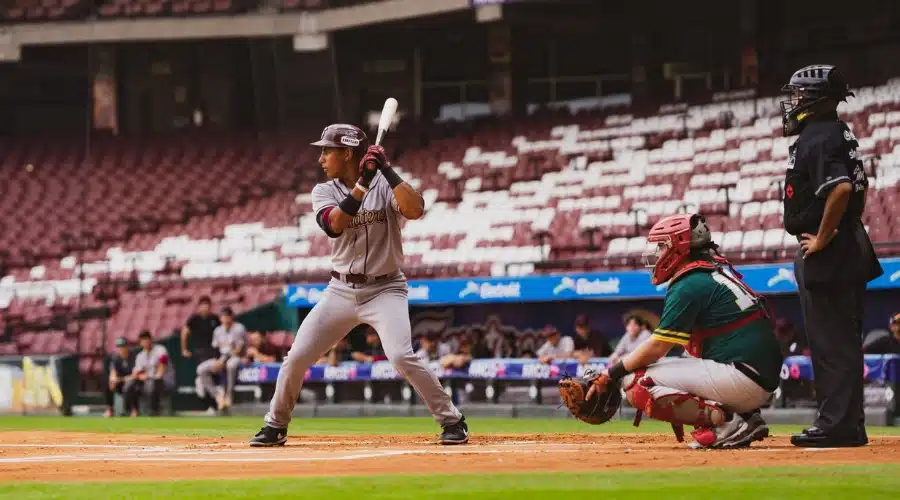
766,279
878,369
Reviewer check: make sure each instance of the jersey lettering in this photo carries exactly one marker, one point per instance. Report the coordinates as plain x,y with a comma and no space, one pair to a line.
371,244
743,299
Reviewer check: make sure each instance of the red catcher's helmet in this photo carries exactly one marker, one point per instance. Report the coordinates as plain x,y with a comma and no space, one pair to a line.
671,241
341,135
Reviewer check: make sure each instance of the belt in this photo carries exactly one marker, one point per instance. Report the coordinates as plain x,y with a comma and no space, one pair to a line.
753,375
360,279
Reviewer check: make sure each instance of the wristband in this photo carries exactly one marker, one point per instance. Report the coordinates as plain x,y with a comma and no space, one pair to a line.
617,371
393,179
350,205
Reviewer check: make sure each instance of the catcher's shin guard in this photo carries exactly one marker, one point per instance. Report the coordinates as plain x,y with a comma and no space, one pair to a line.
669,405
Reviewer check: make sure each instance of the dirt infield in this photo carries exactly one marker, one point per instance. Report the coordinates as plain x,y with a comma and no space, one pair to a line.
62,456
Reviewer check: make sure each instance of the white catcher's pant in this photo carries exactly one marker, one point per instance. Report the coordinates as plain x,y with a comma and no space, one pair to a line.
705,378
385,307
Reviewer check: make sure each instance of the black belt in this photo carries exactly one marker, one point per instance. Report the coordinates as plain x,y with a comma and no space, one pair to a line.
359,279
752,374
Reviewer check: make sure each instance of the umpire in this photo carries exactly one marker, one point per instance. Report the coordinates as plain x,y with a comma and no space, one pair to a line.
824,198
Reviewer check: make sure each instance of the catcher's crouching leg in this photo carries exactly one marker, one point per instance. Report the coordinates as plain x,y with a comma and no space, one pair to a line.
670,405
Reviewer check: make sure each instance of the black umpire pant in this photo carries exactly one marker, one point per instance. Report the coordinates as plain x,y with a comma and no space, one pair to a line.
833,314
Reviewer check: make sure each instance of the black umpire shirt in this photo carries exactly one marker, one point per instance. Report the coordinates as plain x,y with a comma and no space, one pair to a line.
823,156
201,328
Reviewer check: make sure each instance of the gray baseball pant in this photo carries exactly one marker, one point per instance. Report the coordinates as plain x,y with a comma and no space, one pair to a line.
385,307
205,383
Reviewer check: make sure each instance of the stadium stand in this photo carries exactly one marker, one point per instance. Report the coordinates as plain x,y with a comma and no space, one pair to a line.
580,186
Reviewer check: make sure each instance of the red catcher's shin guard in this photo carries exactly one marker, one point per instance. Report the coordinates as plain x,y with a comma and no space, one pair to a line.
670,405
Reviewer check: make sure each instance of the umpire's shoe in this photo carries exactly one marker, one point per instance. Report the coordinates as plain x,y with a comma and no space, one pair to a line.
457,433
269,436
817,438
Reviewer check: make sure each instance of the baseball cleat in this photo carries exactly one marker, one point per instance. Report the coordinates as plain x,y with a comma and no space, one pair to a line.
457,433
735,433
268,437
747,431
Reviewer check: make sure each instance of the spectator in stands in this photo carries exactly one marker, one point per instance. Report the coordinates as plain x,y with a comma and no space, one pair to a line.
199,328
373,351
462,357
431,348
339,353
636,331
152,374
588,344
479,350
555,346
259,350
121,364
895,334
229,339
881,342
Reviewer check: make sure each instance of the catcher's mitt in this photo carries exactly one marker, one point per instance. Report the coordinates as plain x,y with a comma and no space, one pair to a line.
603,403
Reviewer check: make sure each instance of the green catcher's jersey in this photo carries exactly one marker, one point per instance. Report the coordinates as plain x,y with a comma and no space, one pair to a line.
706,299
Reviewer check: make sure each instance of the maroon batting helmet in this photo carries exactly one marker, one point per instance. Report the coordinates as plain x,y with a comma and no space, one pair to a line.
341,135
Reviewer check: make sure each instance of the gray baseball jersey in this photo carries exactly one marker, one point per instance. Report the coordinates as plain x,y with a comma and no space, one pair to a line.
149,361
225,340
371,244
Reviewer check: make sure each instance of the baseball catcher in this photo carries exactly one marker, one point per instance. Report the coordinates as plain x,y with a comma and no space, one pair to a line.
721,323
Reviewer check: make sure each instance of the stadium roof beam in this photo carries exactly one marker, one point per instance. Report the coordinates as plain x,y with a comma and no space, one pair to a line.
232,26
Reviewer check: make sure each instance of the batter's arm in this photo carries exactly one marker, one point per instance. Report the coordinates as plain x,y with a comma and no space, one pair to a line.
332,214
410,203
338,219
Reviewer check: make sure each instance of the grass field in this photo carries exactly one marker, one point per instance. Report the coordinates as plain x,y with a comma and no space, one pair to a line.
728,479
869,482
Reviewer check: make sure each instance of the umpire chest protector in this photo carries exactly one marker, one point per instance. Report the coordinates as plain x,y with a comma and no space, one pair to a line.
824,156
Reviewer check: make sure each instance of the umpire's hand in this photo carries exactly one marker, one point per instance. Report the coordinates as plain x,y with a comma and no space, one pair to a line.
811,243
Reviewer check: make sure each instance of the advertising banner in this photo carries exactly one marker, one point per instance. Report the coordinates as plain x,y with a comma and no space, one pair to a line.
621,285
29,384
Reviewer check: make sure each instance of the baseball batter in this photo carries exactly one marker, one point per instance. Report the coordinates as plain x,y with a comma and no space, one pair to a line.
722,323
361,208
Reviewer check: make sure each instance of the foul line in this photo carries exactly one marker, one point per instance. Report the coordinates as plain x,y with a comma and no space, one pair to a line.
264,456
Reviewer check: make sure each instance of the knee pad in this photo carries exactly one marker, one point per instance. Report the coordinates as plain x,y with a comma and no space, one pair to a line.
670,405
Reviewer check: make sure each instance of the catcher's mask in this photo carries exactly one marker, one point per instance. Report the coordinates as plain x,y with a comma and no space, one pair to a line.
671,241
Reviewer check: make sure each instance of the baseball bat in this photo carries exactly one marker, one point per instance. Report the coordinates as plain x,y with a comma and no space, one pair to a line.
387,117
